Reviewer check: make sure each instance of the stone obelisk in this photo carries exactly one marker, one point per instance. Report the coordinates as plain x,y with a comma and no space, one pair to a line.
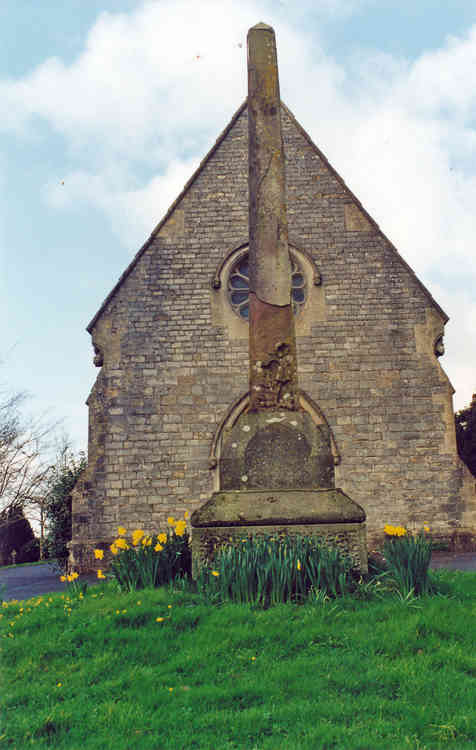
272,352
275,467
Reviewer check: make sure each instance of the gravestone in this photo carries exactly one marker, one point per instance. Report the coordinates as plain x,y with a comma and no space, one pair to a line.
276,466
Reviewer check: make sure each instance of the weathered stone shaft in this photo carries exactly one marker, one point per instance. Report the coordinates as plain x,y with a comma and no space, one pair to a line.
273,370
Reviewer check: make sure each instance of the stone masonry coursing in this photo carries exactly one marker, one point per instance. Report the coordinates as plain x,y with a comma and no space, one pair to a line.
175,358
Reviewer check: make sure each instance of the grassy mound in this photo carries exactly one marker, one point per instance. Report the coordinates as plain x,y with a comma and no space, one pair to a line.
163,669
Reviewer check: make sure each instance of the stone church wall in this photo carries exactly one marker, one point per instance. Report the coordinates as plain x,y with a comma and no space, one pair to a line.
175,358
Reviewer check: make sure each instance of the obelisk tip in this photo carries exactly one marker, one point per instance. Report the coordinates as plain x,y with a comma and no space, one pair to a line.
262,27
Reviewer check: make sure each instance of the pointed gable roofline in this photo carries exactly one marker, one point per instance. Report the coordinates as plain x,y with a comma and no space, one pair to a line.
168,214
198,171
366,214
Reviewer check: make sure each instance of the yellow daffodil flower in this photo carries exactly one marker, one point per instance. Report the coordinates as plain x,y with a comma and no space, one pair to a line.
137,536
394,530
121,531
99,554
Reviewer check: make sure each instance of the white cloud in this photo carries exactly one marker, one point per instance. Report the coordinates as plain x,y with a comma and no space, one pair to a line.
450,92
133,211
144,79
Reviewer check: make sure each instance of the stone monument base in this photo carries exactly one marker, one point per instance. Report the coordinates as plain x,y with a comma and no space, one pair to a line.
236,514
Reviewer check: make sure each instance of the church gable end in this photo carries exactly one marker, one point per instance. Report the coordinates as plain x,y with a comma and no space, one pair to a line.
174,355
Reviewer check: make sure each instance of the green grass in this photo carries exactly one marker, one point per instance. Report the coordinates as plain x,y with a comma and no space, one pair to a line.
101,672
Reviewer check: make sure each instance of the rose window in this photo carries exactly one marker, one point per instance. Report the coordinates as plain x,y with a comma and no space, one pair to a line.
239,286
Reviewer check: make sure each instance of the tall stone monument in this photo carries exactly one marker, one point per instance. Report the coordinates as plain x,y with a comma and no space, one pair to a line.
276,467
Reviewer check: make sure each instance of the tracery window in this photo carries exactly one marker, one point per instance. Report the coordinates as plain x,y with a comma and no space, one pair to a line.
239,286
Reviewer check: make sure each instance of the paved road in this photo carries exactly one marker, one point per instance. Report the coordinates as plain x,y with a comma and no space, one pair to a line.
34,580
454,560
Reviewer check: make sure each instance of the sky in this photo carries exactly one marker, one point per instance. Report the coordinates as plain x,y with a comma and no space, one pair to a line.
107,107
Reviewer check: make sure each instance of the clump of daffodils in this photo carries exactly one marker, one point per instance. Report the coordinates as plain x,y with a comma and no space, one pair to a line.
390,530
408,557
394,530
264,570
74,585
69,578
143,559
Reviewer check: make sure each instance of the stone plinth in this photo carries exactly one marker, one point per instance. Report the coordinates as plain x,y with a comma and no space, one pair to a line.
326,513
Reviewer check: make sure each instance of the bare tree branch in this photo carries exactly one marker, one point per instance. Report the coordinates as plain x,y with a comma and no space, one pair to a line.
25,462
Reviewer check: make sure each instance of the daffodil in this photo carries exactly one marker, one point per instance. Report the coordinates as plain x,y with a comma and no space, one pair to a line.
215,573
158,548
299,564
162,538
100,574
121,531
394,530
171,520
186,514
99,554
159,619
114,548
180,527
137,536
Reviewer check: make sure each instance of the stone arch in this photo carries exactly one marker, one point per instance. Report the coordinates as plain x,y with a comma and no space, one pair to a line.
311,311
239,407
307,261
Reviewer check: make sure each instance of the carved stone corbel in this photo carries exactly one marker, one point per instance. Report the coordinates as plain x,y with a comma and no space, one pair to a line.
98,356
439,346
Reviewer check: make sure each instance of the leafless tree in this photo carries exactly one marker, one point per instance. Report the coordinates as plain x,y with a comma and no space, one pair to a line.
24,457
